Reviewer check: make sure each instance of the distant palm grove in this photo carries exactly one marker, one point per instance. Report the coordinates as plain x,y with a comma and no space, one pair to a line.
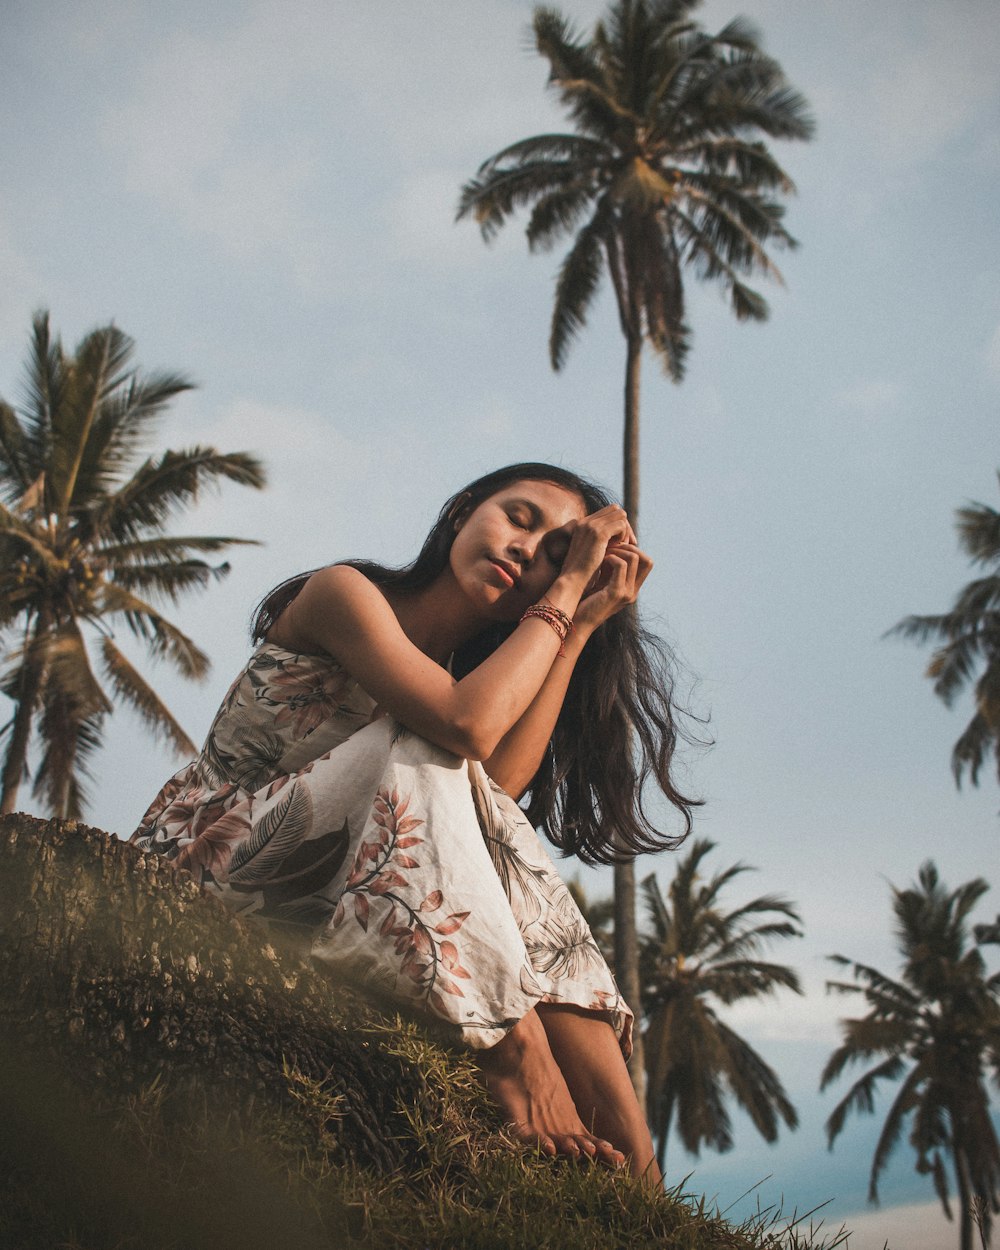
83,546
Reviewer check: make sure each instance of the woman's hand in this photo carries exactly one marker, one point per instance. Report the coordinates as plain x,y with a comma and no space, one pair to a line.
589,541
620,572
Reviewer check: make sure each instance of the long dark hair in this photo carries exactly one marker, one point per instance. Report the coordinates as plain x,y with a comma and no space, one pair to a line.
618,727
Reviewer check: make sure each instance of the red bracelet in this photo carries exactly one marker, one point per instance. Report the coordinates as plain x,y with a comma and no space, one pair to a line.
551,616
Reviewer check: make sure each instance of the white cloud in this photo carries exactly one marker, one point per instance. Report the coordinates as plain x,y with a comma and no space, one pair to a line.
256,134
186,139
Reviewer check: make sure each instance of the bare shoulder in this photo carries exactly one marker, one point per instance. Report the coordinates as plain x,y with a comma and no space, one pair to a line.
336,604
338,581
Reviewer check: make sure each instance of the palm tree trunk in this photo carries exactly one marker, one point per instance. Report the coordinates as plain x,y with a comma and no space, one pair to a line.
964,1199
630,449
626,935
661,1143
27,699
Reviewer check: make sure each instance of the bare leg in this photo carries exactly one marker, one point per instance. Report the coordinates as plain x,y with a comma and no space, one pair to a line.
525,1079
584,1046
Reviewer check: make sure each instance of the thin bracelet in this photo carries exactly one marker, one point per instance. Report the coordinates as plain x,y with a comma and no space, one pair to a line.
548,615
567,620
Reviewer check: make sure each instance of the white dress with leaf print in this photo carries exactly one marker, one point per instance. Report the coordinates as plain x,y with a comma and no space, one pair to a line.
412,873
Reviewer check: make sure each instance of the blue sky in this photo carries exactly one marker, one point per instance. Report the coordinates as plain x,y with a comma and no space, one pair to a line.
262,195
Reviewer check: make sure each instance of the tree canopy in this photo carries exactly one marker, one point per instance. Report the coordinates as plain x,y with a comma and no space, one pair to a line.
697,956
968,639
936,1030
84,545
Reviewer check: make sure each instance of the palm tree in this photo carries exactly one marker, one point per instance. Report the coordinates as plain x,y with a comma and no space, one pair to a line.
937,1029
82,543
970,640
698,955
666,171
599,913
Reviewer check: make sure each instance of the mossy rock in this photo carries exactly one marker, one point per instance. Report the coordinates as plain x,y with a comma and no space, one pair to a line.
174,1077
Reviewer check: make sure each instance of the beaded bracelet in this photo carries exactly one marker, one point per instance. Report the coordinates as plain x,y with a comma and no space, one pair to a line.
551,615
567,621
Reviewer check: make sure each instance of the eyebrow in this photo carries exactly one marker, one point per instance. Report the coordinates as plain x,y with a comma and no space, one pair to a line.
536,513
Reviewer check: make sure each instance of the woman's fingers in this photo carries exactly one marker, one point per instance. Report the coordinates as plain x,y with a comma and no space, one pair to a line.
593,535
626,568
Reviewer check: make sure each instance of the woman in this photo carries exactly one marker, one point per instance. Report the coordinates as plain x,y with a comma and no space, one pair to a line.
360,781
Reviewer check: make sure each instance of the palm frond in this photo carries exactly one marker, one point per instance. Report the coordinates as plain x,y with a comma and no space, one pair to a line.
162,638
875,986
497,195
130,686
743,162
172,580
64,770
16,469
167,548
972,749
575,72
74,705
661,294
556,214
96,369
979,531
122,427
755,1085
578,283
905,1102
559,149
144,504
861,1096
734,224
748,978
656,906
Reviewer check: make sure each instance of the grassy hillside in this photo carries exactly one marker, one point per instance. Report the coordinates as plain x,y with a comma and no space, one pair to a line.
171,1077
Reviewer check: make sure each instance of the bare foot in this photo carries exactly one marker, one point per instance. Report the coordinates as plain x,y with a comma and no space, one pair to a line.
584,1046
523,1077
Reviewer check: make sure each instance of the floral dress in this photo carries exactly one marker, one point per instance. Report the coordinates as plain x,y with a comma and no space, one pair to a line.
408,871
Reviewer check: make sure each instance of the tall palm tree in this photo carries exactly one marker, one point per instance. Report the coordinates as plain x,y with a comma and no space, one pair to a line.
666,171
937,1029
969,638
82,544
696,956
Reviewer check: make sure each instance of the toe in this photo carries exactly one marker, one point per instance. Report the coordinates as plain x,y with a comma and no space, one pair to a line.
607,1154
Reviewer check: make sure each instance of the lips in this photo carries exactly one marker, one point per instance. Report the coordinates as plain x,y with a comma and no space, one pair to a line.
507,571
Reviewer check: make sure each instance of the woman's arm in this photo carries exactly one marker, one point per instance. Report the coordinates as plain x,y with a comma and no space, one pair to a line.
341,612
520,752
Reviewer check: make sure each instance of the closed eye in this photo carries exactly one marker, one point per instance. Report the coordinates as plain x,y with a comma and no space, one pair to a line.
522,521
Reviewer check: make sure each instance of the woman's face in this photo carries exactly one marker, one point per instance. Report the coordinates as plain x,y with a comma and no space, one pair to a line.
509,549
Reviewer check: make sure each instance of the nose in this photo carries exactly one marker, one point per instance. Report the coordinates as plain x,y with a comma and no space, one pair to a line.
523,546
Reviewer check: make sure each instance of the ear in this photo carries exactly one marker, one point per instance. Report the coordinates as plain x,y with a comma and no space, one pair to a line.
459,511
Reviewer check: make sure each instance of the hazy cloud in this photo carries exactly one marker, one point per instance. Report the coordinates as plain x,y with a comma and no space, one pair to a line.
870,397
929,93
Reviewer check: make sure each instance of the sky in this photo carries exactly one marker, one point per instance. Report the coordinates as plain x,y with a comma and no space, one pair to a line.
263,195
